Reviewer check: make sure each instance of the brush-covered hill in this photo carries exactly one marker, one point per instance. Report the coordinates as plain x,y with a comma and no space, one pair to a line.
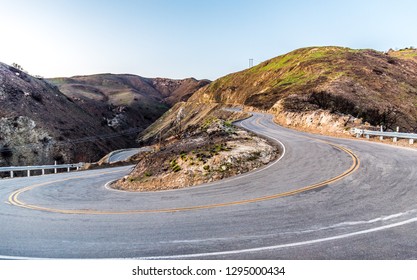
124,101
328,89
380,88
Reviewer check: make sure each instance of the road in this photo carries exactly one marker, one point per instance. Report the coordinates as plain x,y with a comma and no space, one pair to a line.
325,198
125,154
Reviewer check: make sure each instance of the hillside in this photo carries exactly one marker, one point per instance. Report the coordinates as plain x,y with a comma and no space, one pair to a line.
332,84
323,89
39,124
97,114
125,101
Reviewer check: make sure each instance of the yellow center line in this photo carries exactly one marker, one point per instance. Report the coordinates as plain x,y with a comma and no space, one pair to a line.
14,197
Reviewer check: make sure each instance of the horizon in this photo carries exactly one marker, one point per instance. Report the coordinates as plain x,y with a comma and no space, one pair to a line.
203,40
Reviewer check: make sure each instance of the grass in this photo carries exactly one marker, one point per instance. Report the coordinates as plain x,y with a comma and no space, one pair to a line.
292,79
405,54
292,59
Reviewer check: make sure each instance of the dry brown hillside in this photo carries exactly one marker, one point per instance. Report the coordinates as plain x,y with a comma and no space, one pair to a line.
123,101
39,124
97,114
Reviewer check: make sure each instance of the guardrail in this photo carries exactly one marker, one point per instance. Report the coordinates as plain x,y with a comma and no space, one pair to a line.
28,169
394,135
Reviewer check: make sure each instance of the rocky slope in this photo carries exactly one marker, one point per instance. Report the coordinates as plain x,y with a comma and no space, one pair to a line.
320,86
211,151
97,114
39,124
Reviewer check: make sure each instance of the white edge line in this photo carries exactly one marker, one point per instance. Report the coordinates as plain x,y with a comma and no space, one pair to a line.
251,250
281,246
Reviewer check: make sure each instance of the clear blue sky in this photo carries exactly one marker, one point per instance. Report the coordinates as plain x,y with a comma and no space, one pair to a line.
184,38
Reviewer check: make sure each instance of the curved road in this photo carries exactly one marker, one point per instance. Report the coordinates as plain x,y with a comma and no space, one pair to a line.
125,154
325,198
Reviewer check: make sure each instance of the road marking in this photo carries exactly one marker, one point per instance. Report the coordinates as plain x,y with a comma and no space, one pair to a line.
265,248
288,245
14,200
2,257
258,249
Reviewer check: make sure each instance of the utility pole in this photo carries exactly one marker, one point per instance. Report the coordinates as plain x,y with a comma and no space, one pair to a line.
250,62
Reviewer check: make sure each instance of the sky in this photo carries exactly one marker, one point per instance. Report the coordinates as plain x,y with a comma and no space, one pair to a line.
189,38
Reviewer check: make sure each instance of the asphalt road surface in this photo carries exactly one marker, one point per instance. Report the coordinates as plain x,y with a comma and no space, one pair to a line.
125,154
325,198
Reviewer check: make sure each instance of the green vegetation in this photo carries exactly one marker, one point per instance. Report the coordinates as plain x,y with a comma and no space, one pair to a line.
218,148
292,79
408,53
228,124
277,63
174,166
254,156
208,122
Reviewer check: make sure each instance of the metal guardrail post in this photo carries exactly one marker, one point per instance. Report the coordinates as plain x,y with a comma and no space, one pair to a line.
28,169
394,135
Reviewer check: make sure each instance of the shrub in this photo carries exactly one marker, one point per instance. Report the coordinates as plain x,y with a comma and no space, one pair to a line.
6,152
174,166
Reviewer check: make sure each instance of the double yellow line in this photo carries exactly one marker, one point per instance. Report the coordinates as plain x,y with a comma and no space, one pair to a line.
14,197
